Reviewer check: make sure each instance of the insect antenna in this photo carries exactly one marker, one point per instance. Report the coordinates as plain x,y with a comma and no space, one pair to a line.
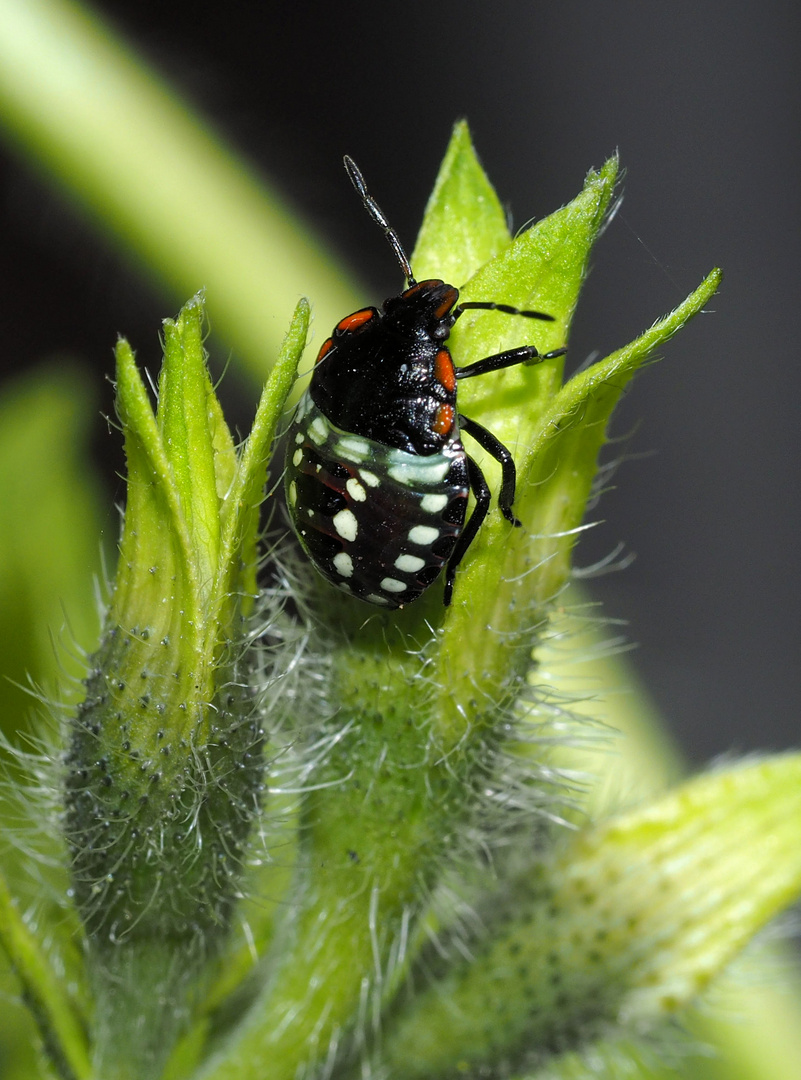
377,214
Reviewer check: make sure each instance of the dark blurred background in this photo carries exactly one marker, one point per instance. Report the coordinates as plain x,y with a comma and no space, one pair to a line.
702,101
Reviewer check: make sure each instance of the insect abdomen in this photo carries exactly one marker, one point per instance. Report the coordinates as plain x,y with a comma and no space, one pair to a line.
378,522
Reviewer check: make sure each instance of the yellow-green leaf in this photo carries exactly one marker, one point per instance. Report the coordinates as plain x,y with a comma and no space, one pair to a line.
625,927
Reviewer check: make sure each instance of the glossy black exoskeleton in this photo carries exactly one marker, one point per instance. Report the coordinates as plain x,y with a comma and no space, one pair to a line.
377,477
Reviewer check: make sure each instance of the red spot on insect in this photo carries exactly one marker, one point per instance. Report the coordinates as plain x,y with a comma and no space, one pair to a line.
325,349
416,288
354,321
443,370
448,300
443,421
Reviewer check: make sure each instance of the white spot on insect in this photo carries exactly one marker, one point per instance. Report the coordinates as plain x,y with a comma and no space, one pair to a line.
369,478
355,490
433,503
297,457
343,564
305,405
409,563
293,494
421,534
299,437
374,598
346,525
352,448
391,584
318,430
411,469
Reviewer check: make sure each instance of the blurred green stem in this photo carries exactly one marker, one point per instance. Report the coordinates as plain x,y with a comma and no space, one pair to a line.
94,117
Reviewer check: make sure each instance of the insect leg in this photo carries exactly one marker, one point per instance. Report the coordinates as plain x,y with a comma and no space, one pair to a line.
478,485
507,309
496,449
505,360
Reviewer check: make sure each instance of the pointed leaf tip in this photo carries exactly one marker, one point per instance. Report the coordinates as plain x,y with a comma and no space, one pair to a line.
464,223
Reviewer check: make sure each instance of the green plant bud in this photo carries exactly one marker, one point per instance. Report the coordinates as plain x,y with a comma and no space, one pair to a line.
421,702
165,761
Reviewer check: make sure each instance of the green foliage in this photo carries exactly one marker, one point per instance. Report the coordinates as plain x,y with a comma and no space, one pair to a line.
622,926
416,908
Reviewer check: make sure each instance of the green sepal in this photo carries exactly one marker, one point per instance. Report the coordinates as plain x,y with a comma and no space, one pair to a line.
543,270
557,473
192,431
464,225
156,588
515,570
500,583
244,493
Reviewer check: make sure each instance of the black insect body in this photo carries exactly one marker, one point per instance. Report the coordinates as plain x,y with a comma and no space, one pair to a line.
377,477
